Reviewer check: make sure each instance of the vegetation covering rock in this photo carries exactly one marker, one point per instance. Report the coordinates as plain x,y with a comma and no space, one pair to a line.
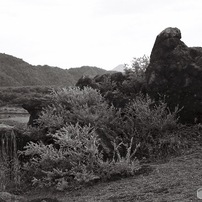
120,88
81,139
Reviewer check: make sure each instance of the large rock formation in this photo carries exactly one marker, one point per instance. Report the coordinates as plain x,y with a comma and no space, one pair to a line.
175,70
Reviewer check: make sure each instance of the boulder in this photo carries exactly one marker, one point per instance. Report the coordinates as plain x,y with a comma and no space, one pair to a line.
175,70
34,107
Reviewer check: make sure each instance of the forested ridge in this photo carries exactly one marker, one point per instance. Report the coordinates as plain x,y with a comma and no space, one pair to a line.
16,72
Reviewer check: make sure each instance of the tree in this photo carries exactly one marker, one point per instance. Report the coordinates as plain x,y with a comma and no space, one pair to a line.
138,68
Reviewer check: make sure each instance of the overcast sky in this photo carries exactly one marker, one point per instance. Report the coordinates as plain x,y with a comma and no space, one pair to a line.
102,33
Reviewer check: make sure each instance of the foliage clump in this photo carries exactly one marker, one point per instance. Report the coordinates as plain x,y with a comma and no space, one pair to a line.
102,130
73,159
76,141
74,105
154,126
118,88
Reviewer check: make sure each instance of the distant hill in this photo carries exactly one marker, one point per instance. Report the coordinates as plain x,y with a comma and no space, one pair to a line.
16,72
119,68
78,72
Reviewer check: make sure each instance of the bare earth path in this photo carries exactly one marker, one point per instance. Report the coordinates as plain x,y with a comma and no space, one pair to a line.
176,180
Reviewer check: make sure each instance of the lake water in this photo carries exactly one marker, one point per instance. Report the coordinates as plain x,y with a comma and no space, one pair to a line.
19,117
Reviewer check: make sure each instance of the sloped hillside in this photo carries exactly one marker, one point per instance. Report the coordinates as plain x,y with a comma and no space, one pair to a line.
119,68
86,71
16,72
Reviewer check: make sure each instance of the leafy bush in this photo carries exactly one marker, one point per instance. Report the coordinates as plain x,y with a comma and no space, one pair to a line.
138,68
150,115
147,122
74,159
120,165
118,88
91,140
152,125
74,105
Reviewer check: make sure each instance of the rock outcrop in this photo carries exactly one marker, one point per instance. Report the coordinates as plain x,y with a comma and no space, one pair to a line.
34,107
175,70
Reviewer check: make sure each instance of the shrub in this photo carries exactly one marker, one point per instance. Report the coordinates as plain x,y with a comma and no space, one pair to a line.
120,165
118,88
149,123
75,161
138,68
91,140
152,125
150,115
74,105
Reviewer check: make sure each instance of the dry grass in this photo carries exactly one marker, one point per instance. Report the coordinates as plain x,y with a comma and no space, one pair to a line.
176,180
